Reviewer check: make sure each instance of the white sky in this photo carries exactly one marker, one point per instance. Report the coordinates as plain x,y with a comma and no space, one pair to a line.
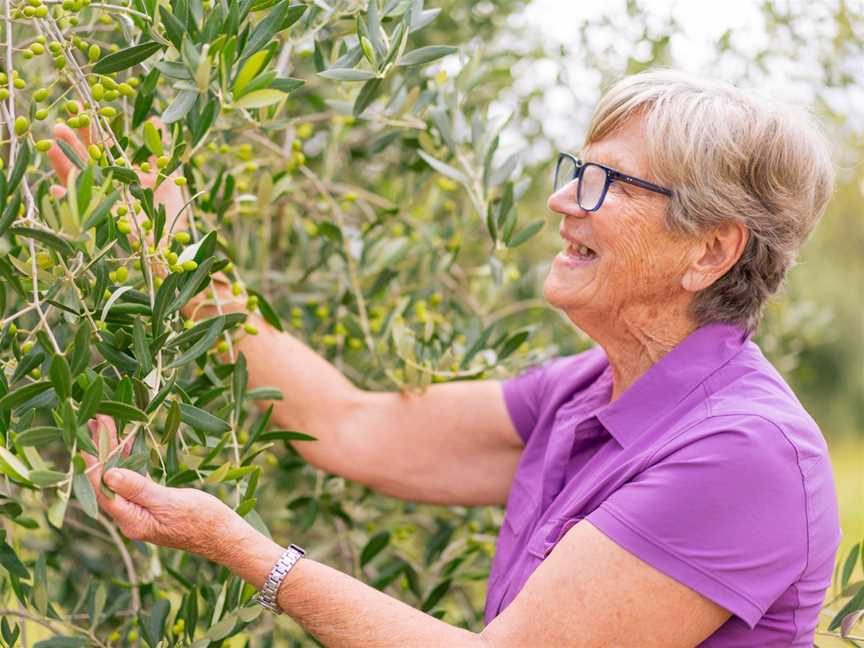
569,86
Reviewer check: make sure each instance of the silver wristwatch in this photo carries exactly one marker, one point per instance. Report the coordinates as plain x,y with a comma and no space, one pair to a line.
267,595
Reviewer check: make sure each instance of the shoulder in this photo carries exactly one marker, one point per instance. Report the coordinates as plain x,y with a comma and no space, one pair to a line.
751,397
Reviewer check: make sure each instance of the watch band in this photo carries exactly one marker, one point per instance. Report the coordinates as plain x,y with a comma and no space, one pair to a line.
267,596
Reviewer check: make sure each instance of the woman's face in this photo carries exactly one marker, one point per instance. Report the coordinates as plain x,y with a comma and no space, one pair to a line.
634,266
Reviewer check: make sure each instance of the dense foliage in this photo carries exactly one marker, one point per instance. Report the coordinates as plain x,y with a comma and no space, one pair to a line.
356,195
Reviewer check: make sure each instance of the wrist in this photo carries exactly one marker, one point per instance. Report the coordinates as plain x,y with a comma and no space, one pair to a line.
248,553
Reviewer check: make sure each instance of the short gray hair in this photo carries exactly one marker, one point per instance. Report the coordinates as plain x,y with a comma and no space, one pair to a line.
728,154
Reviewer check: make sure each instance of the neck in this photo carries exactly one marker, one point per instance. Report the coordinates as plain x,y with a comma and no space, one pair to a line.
636,343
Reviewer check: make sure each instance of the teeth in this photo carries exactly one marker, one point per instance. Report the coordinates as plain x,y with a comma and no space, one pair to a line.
584,251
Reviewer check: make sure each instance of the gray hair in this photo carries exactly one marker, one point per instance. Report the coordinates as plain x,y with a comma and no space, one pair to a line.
728,154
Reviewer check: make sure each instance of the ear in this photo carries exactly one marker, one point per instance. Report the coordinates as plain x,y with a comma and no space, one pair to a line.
714,254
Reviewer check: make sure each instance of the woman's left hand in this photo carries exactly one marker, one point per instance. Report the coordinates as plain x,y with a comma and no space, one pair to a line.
181,518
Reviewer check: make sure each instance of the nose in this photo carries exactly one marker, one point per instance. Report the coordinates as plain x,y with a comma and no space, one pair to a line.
564,201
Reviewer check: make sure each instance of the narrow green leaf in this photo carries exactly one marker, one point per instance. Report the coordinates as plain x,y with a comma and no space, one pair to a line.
203,421
80,349
50,239
70,153
285,435
126,58
21,162
513,343
46,478
855,603
153,623
193,285
172,422
121,410
13,466
200,328
286,84
21,395
38,436
347,74
525,233
140,347
202,345
181,105
366,96
9,559
260,99
152,138
442,168
849,564
164,296
267,311
249,70
91,400
375,545
101,212
266,29
61,376
425,55
83,490
239,379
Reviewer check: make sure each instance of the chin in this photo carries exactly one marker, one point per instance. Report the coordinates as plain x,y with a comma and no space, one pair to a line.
558,294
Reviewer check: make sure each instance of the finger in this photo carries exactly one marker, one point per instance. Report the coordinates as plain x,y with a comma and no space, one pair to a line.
62,164
85,135
57,191
63,132
136,488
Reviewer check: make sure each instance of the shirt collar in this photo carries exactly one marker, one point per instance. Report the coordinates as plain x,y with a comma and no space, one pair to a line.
668,381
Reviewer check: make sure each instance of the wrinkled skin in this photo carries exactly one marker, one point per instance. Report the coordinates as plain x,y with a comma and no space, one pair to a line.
180,518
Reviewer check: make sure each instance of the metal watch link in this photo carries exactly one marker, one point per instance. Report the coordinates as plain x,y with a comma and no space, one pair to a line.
267,596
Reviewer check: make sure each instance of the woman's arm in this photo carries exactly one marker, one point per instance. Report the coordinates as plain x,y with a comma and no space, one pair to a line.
452,444
588,592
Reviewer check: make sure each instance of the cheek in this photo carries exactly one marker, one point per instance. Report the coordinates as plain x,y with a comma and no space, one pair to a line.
642,252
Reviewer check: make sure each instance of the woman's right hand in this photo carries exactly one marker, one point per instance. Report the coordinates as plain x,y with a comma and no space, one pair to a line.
167,193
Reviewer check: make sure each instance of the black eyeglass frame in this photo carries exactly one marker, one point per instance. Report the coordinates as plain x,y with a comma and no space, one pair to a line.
611,176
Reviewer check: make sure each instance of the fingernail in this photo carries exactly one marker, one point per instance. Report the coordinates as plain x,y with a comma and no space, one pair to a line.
113,477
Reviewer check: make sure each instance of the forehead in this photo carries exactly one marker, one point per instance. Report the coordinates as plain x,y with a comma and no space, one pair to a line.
622,149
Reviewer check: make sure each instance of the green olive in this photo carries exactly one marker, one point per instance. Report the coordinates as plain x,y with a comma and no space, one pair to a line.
22,125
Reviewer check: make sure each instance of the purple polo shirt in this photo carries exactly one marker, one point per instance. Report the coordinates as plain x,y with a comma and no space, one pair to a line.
707,468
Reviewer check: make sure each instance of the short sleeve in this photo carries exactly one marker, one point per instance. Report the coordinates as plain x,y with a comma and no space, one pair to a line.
523,395
722,510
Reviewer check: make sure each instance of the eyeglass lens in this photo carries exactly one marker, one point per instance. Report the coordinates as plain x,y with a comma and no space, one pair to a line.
590,187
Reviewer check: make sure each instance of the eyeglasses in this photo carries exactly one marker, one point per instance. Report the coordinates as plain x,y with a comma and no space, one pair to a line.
594,180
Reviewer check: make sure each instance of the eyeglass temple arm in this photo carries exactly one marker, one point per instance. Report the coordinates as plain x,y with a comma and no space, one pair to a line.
650,186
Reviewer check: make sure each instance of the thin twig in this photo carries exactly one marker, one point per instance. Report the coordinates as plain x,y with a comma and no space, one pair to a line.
44,622
127,561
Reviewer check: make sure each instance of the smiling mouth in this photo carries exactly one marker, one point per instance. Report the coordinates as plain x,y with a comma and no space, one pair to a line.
580,251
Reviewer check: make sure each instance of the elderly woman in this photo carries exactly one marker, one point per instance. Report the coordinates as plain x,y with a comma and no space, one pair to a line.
664,488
